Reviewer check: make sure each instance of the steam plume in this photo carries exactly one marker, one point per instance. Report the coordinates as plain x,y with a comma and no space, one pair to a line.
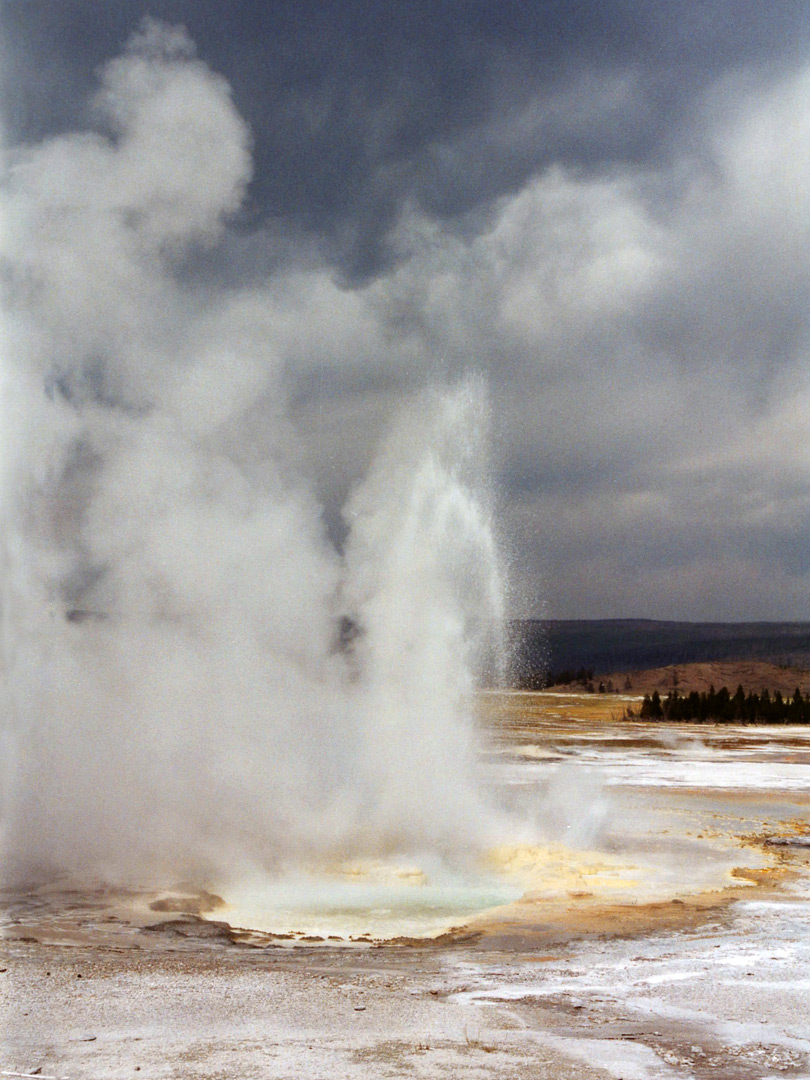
178,698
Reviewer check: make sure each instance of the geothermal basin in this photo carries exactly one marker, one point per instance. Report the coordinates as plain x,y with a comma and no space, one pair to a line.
651,920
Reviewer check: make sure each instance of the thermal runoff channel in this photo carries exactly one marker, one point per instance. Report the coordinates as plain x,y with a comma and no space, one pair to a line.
198,680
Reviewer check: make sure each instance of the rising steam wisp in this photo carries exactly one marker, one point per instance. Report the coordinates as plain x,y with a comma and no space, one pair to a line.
179,701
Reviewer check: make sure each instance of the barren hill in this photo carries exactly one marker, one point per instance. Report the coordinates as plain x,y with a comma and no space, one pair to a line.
753,675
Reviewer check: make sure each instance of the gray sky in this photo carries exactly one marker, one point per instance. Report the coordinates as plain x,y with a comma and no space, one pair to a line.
603,207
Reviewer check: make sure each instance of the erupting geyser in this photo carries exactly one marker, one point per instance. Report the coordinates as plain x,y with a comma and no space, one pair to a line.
180,699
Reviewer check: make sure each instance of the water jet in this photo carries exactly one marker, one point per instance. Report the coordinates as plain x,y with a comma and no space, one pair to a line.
178,705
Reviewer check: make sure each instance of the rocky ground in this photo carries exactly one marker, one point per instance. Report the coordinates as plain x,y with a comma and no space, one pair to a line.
665,934
724,995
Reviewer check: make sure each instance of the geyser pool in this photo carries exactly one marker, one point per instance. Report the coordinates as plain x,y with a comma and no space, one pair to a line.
364,898
422,897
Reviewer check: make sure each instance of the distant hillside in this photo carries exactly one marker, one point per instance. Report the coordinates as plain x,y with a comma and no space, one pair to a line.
753,676
618,645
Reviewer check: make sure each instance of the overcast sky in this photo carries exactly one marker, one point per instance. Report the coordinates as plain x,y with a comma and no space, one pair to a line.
604,207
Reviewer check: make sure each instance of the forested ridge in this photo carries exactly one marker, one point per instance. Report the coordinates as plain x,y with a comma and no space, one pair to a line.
605,646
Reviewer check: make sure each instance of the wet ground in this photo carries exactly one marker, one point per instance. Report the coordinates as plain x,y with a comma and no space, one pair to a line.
656,923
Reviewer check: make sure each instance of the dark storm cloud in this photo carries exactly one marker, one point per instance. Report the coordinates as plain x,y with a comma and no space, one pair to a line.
357,106
603,207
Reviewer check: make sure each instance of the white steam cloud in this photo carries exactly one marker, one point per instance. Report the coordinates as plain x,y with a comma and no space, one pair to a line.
196,679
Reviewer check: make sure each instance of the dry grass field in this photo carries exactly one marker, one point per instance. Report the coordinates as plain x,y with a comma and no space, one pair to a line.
517,715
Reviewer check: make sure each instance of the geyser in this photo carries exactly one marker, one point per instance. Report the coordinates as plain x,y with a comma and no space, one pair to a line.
179,700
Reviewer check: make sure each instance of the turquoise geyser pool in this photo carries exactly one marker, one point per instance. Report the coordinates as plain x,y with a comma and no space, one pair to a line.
373,899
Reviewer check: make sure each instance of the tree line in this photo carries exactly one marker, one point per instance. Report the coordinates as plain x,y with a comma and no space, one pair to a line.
722,707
